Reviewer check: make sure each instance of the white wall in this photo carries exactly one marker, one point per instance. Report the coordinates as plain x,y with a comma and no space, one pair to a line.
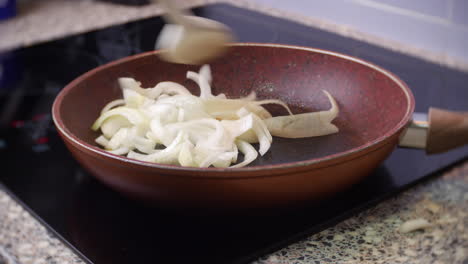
436,25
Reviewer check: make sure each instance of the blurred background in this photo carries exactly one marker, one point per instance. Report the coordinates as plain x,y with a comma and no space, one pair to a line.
439,26
436,25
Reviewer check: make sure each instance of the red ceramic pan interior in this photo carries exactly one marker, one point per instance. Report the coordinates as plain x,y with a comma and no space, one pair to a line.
374,104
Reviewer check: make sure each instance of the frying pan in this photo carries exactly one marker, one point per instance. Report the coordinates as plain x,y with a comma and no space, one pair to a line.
376,109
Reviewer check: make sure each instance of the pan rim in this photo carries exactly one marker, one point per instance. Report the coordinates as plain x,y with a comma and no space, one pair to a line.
239,172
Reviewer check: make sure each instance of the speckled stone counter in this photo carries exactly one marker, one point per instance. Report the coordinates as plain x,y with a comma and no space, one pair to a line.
369,237
24,240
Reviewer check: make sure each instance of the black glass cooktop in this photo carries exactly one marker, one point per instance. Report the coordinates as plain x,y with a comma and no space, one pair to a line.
103,227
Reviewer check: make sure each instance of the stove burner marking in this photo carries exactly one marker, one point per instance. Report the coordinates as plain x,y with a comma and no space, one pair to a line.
42,140
17,123
40,148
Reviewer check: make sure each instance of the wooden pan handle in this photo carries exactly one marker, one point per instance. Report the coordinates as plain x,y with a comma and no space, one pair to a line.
447,130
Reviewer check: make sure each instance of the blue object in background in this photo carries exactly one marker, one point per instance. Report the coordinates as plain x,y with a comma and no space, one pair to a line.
7,9
10,71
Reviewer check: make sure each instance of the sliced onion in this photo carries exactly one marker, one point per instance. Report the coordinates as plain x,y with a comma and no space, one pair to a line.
274,101
112,104
169,155
167,88
119,151
186,155
133,116
118,140
110,126
205,72
167,124
205,88
102,140
250,154
306,124
132,84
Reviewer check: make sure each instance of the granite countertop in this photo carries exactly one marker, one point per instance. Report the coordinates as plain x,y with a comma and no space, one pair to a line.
372,236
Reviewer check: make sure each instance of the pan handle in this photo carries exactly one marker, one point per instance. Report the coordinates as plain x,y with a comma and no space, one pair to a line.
438,132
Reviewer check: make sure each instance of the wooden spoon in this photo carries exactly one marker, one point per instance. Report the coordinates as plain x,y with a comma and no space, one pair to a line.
190,39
